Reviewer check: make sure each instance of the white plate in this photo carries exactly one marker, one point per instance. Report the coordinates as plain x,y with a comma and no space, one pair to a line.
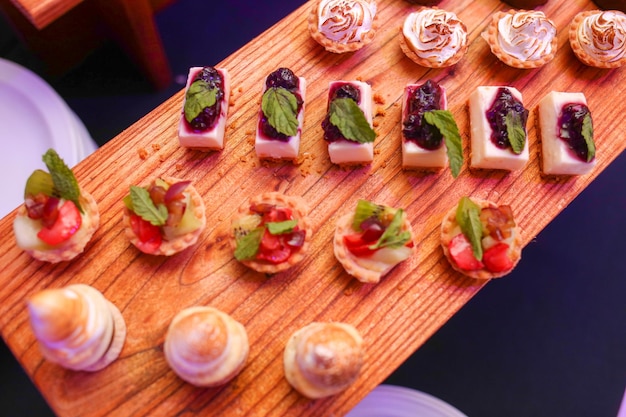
393,401
33,118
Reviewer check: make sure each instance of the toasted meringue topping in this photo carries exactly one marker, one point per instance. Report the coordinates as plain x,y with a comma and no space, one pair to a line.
526,35
434,34
602,36
345,21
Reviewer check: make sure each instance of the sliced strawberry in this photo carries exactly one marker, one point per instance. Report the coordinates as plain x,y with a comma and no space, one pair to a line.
496,258
357,246
275,256
66,223
269,242
148,234
461,252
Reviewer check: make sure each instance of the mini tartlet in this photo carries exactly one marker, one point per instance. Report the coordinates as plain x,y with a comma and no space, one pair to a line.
343,25
323,359
481,239
58,218
205,346
433,37
271,232
521,38
372,239
165,217
598,38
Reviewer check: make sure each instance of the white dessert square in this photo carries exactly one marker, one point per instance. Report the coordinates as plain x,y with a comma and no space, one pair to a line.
269,148
210,139
346,152
413,155
557,157
484,154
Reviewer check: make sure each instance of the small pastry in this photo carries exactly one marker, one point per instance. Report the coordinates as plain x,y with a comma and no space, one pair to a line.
205,346
281,116
323,359
566,127
598,38
429,132
271,232
521,38
370,241
205,109
165,217
481,239
58,218
348,123
343,25
526,4
433,38
498,129
77,327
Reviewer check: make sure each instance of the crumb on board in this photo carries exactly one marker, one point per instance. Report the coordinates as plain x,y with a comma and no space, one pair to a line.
179,167
156,147
375,123
379,99
380,111
162,158
143,154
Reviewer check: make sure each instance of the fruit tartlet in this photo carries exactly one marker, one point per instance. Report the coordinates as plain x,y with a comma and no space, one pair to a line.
343,25
58,218
281,116
481,239
205,109
205,346
598,38
370,241
521,38
165,217
430,135
323,359
348,123
433,37
271,232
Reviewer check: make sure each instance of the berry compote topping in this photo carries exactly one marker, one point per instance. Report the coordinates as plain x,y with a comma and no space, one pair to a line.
414,127
209,115
331,132
496,115
281,78
571,128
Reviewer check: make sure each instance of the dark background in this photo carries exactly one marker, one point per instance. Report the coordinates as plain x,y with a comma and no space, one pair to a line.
549,340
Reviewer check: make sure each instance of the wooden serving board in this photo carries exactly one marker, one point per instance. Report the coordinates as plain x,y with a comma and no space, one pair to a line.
395,316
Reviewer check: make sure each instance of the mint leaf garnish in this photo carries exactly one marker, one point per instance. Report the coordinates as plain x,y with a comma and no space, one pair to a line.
65,183
587,132
279,228
515,131
200,95
144,207
444,121
393,236
248,245
280,106
468,218
348,117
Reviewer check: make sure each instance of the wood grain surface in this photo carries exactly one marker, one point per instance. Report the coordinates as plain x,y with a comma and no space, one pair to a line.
42,13
395,316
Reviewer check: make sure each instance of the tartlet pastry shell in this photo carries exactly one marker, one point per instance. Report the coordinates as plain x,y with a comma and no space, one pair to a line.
323,359
580,52
300,212
180,243
450,228
73,247
337,47
491,36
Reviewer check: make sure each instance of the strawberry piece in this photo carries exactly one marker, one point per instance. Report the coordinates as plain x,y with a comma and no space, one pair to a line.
357,245
496,258
66,223
148,234
461,252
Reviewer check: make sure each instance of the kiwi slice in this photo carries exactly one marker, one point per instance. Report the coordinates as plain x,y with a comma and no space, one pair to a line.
243,225
39,182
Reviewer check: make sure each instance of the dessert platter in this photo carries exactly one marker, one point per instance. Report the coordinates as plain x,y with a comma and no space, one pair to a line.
268,262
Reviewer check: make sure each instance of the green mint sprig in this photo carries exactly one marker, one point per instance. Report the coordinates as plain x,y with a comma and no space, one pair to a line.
199,96
393,236
248,245
280,106
444,121
515,131
348,117
65,183
587,133
468,218
279,228
144,207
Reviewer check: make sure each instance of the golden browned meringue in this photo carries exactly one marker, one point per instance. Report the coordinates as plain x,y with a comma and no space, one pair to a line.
521,38
323,359
205,346
598,38
343,25
77,327
433,37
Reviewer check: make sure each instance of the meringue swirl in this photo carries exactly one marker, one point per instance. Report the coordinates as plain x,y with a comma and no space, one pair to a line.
602,36
434,34
526,35
345,21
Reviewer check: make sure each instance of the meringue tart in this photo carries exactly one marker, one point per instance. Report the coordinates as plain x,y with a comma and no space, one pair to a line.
598,38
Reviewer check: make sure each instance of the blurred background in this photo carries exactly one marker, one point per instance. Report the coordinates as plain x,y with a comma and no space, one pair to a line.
549,340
